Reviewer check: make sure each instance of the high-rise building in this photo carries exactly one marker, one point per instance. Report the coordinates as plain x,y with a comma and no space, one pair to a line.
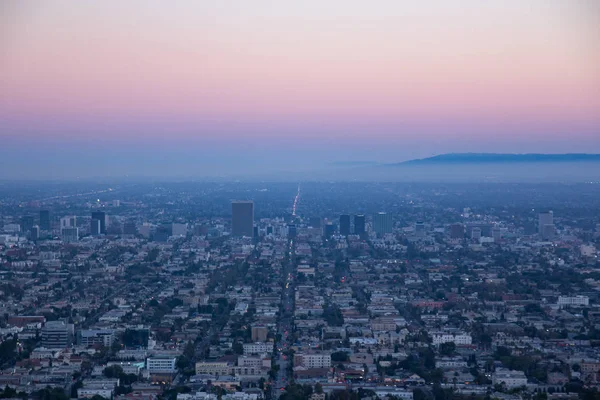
546,228
359,224
476,233
45,220
27,223
242,218
70,235
100,216
57,335
68,222
382,223
329,230
34,233
344,224
292,231
95,227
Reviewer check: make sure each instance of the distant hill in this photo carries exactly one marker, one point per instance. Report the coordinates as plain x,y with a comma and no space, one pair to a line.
500,158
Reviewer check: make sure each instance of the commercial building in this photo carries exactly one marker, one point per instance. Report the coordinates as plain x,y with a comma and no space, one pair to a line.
344,225
57,335
45,220
382,223
242,218
160,365
100,216
69,235
359,224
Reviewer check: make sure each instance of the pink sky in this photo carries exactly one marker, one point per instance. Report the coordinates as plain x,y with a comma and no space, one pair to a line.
381,71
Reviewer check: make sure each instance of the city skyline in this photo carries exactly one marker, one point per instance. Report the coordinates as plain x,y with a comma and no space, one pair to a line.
197,89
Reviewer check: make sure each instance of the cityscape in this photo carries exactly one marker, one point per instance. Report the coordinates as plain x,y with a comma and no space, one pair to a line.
299,200
190,291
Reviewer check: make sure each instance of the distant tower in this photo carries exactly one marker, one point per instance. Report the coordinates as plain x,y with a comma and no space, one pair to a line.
382,223
27,223
45,220
242,218
34,233
546,228
359,224
329,230
100,216
95,227
344,225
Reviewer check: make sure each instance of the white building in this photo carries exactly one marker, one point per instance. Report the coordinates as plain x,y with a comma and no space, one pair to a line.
511,379
313,360
160,364
566,301
214,368
456,338
258,348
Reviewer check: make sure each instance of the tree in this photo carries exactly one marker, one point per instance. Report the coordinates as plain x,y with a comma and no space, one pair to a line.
447,349
114,371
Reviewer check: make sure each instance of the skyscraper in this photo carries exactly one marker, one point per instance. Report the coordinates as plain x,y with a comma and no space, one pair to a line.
344,224
546,225
95,227
100,216
328,230
242,218
45,220
382,223
27,223
359,224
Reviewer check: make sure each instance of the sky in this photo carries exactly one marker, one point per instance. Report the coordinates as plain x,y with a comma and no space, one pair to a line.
199,88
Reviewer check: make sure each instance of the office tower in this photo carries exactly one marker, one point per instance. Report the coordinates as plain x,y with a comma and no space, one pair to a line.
68,222
457,231
359,224
45,220
95,227
344,224
34,233
292,232
256,231
162,233
129,228
100,216
57,335
382,223
420,229
315,222
269,230
496,234
27,223
476,233
242,218
329,230
548,232
546,225
69,235
116,203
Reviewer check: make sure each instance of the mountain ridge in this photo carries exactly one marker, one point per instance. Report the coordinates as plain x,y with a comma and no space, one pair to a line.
500,158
